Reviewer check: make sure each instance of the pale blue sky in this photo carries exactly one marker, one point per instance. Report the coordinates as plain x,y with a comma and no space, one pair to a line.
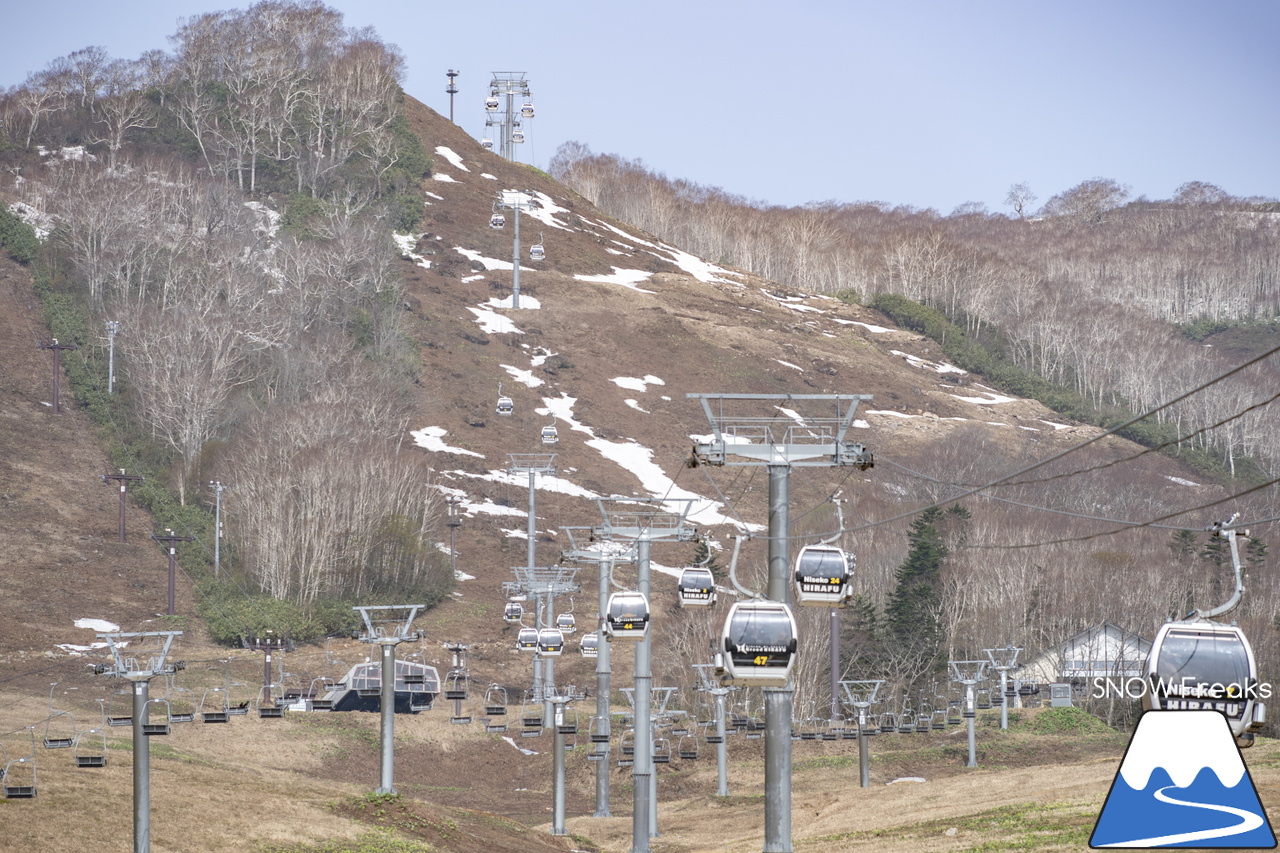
921,103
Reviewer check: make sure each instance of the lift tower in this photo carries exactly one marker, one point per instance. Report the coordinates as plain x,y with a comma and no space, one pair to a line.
501,109
778,441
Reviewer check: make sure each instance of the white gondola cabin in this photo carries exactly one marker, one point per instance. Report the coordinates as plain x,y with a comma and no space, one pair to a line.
697,587
527,640
759,642
486,144
590,645
550,642
497,220
627,617
550,435
505,406
517,136
513,612
491,104
526,110
823,577
1203,665
537,252
566,623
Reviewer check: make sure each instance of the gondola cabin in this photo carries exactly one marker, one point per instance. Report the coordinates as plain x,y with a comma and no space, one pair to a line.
550,435
550,642
517,136
514,612
627,617
823,577
491,104
537,252
497,220
505,406
697,587
590,645
1203,665
566,623
486,144
526,110
759,642
527,640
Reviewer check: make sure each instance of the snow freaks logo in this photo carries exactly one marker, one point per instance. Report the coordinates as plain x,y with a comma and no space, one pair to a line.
1182,783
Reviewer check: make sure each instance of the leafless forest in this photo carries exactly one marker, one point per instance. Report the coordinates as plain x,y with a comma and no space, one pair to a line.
267,355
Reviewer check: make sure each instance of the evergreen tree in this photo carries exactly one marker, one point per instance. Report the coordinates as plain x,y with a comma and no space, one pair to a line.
913,610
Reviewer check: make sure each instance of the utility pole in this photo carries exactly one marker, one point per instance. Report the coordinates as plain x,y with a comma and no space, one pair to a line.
452,501
169,540
113,327
819,442
270,644
451,89
387,627
217,526
123,479
57,369
969,673
130,667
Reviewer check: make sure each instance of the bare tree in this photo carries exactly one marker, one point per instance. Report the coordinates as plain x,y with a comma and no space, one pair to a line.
1020,197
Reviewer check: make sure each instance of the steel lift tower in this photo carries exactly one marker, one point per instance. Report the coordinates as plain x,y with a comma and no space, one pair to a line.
779,441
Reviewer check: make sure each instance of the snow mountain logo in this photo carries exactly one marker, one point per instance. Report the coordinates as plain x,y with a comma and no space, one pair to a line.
1183,784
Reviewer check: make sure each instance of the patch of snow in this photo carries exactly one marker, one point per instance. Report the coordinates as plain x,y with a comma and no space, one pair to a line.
1180,481
541,354
452,156
527,302
990,399
697,267
436,197
515,534
614,251
789,364
100,625
711,436
1055,426
633,384
540,207
492,323
791,413
487,175
792,303
41,223
525,377
521,748
906,779
488,263
635,405
268,219
407,243
432,437
626,278
937,367
444,179
471,278
460,575
73,649
542,482
876,330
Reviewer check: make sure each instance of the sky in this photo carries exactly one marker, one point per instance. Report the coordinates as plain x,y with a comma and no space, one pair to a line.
921,103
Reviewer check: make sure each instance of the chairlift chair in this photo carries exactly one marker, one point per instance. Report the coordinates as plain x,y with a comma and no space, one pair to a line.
318,698
687,748
566,623
495,700
91,748
1204,665
550,642
57,737
120,708
20,778
531,719
598,734
455,684
888,722
697,587
662,751
550,435
272,709
182,704
590,645
152,725
823,576
527,639
759,641
216,711
234,708
627,748
627,616
513,612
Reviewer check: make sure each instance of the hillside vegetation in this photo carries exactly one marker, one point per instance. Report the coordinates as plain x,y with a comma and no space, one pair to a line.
315,314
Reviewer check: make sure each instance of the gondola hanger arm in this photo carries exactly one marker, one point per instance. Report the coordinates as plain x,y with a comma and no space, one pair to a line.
1225,530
